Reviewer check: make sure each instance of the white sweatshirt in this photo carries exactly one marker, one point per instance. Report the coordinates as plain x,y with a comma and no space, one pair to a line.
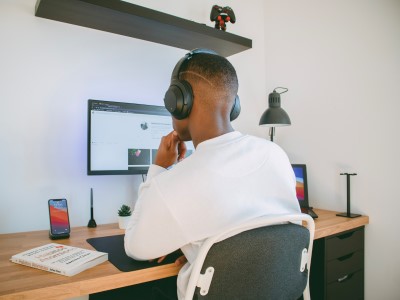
226,181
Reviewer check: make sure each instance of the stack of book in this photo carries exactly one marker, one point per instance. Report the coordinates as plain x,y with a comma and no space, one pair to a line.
60,259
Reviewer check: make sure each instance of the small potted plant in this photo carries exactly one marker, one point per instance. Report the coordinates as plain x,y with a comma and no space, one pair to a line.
124,215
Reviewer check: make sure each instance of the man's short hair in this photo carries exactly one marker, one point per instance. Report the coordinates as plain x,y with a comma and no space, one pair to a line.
215,69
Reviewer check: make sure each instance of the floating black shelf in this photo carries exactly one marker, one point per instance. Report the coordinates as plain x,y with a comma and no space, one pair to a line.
143,23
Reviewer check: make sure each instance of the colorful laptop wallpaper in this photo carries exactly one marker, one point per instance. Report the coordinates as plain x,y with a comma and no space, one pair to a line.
298,171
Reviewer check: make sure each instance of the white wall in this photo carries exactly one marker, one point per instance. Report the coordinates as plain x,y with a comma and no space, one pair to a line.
341,63
49,69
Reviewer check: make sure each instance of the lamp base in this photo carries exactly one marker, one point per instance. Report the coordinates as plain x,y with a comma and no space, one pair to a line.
348,215
92,223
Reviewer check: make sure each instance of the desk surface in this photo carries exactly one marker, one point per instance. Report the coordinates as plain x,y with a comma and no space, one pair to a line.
21,282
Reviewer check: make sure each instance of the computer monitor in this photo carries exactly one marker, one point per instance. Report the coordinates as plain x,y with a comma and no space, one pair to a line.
123,138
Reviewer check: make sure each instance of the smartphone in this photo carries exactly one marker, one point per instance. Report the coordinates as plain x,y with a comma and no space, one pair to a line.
59,219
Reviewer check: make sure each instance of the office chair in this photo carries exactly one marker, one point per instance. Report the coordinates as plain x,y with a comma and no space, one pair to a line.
257,260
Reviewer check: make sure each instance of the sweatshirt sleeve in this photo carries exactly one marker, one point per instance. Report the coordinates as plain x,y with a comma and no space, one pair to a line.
153,231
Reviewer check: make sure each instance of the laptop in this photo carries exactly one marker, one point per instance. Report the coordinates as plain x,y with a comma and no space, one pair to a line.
300,171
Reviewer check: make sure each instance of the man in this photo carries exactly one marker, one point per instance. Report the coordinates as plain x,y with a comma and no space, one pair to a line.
229,179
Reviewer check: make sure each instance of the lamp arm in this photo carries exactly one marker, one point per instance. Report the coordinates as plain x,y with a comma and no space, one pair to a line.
271,133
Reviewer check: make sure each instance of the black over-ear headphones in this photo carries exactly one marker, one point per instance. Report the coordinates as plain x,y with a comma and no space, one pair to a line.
178,99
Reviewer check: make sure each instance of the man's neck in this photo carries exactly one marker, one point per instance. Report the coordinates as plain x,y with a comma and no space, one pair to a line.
207,134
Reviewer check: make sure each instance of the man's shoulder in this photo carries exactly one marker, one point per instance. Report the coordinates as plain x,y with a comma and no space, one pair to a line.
260,141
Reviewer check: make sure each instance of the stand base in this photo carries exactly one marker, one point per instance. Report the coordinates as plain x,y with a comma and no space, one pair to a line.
350,215
92,223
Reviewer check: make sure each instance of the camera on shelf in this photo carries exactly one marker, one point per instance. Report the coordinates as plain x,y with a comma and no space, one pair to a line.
221,15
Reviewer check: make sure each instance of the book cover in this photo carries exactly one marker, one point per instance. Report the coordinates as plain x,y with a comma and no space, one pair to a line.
60,259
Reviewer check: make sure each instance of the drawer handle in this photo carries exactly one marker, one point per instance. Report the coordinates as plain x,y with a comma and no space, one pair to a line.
344,257
345,236
344,278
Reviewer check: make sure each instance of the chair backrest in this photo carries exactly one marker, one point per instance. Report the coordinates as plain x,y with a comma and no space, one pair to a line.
265,261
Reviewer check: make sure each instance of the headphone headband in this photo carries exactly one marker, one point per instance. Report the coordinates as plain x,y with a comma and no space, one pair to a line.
189,55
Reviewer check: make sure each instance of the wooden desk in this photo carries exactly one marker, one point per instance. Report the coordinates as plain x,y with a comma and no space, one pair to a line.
21,282
328,223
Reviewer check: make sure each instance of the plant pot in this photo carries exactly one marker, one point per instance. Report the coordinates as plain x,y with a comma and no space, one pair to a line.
123,221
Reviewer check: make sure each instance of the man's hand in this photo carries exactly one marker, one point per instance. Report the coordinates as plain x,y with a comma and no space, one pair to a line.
171,150
181,260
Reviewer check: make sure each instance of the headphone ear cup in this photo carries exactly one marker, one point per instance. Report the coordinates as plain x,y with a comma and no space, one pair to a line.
178,99
235,112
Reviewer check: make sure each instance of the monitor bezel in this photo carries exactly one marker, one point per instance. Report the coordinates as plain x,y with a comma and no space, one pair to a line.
152,109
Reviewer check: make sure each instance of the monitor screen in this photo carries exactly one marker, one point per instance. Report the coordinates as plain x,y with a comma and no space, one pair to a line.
300,172
123,138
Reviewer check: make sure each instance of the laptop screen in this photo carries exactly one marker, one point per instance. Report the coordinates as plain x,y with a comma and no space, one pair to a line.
301,184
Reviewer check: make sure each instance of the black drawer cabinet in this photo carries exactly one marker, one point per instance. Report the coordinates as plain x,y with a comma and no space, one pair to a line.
337,266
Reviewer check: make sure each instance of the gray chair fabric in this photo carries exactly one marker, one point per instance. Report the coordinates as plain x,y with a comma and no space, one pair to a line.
261,263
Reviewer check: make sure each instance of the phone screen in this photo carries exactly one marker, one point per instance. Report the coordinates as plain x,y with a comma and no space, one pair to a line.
59,221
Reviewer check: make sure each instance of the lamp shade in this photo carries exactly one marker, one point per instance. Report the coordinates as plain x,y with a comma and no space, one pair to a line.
275,115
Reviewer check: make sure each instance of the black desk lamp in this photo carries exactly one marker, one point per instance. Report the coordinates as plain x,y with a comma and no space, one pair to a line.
274,116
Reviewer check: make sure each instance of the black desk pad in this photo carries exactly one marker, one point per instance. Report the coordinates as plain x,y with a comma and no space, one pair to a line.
114,246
